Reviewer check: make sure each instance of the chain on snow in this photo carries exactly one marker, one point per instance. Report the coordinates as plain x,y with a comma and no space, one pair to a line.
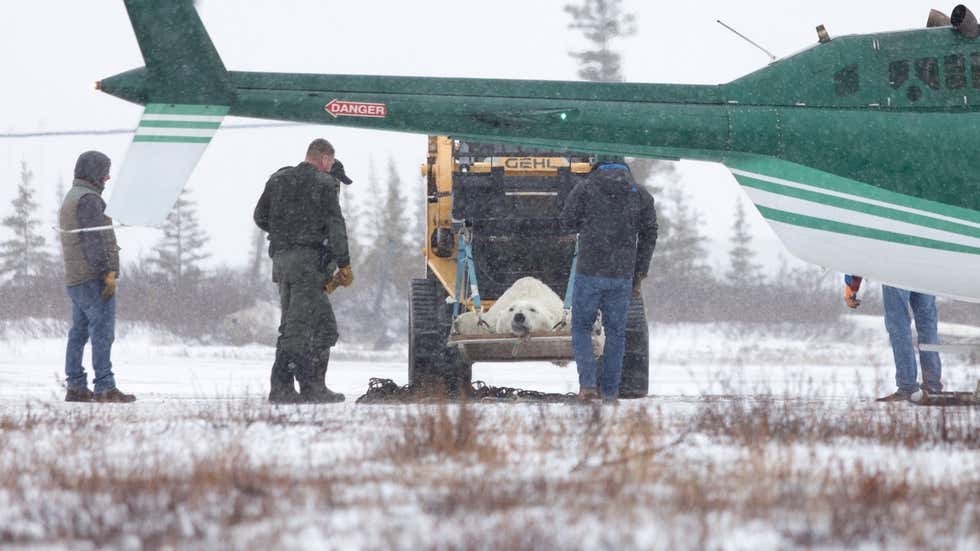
386,391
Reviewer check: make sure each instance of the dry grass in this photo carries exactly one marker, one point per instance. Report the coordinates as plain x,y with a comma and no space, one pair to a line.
107,474
153,497
442,476
762,419
441,432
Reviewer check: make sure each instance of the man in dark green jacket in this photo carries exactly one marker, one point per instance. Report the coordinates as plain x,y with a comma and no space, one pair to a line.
300,210
91,265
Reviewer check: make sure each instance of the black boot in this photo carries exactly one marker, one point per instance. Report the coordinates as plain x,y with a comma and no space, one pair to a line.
281,381
312,387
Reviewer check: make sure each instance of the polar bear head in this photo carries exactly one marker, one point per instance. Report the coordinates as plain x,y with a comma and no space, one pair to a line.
523,317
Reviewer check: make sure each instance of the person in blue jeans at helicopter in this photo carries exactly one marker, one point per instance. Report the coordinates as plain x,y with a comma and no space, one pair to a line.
617,227
898,304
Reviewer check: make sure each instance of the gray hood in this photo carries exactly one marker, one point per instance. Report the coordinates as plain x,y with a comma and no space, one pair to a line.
93,166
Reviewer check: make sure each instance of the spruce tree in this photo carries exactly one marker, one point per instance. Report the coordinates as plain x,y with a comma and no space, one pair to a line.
398,232
744,272
59,196
420,226
24,256
371,228
601,22
353,305
680,279
682,251
390,260
353,214
181,250
259,263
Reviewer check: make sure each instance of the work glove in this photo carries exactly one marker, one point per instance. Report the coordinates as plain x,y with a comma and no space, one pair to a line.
850,297
110,285
344,276
638,284
331,285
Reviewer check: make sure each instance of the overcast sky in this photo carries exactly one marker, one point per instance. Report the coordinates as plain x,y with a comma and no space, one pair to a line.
54,50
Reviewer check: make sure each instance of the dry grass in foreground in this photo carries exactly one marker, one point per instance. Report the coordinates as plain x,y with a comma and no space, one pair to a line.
648,474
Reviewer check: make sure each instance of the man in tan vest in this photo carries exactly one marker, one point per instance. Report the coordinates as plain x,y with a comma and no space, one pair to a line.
91,266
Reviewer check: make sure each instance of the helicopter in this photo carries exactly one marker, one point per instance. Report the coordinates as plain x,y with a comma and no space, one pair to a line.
859,150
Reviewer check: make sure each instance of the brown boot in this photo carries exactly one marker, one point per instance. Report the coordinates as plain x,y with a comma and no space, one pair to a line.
586,394
897,396
113,396
79,395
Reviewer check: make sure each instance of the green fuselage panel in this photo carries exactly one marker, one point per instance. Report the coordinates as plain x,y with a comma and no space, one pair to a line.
897,111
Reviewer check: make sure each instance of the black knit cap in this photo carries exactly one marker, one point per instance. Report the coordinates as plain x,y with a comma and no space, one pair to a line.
338,172
92,166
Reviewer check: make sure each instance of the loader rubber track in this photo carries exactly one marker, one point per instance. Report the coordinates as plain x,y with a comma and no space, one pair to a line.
433,366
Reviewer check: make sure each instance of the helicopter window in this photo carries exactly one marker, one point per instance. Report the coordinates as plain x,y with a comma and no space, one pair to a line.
955,72
898,73
976,69
927,70
846,80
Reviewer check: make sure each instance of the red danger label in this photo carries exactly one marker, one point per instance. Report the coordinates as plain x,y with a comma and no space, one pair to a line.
341,108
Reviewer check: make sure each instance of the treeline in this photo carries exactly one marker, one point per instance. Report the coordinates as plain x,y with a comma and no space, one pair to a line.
172,289
169,288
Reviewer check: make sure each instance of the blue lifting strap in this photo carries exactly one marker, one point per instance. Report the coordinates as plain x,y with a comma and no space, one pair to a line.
465,274
570,288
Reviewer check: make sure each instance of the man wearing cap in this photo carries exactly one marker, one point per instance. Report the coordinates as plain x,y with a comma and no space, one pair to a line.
91,266
617,230
300,210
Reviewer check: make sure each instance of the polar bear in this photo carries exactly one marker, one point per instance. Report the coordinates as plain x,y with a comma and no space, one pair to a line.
528,306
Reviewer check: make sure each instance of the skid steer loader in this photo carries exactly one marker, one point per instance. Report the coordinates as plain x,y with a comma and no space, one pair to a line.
492,218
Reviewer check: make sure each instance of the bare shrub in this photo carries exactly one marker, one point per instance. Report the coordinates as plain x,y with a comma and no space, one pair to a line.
757,420
101,488
619,444
460,495
442,431
25,420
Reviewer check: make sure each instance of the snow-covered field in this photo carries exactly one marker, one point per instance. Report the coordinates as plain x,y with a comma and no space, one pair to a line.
754,438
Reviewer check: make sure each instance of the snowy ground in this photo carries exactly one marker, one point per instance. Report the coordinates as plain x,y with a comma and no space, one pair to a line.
753,438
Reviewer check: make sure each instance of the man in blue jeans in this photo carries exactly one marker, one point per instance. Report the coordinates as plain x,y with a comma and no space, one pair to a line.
898,303
91,265
617,227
